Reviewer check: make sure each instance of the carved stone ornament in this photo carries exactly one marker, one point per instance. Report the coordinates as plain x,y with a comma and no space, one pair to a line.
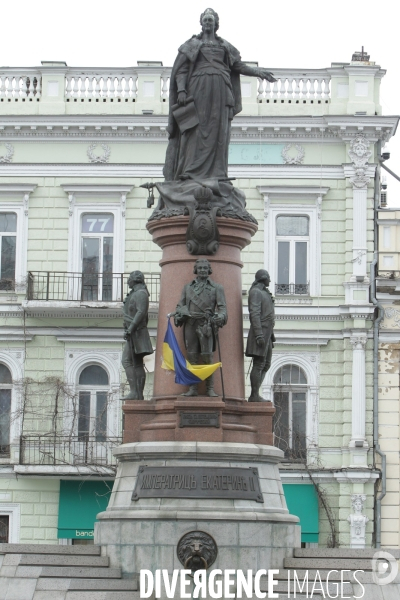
358,342
7,158
357,521
202,235
359,154
197,550
95,158
293,160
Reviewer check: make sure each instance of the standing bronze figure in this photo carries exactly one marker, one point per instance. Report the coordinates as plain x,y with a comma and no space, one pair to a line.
205,95
201,309
138,344
261,337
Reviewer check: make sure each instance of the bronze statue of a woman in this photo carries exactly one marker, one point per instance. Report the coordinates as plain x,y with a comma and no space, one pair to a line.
206,79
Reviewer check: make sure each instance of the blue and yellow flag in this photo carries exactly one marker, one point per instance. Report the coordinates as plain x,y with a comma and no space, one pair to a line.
173,360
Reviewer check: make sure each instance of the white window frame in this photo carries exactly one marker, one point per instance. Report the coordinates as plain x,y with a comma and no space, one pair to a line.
13,511
84,199
93,389
110,360
292,239
287,201
20,206
13,359
309,363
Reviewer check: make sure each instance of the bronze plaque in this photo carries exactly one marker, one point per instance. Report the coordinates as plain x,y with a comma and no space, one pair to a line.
198,482
199,419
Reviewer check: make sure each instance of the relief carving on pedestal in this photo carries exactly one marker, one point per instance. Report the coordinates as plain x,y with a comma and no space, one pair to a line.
359,154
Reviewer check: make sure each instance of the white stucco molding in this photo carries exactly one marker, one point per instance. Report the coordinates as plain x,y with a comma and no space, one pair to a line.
309,363
76,359
14,359
275,204
116,205
354,476
14,197
13,511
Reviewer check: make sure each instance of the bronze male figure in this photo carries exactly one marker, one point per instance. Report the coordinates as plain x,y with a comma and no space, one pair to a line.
138,344
261,337
201,309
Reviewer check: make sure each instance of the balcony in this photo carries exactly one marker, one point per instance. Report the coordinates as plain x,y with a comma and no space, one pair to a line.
292,289
68,451
53,286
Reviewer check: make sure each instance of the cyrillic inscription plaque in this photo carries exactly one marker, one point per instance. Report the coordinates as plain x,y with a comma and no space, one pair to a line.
198,482
199,419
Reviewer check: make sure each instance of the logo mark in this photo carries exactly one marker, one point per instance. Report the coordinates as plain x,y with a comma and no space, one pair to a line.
384,568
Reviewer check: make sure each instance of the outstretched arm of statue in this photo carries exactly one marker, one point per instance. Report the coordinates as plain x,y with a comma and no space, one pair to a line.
244,69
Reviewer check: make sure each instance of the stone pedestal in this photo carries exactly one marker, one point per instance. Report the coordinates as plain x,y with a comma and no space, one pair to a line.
144,534
177,270
173,418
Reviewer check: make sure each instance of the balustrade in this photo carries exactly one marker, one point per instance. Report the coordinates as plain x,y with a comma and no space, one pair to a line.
16,86
296,85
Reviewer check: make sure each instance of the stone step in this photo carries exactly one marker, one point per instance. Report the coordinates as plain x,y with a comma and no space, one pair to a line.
365,553
102,596
48,549
101,585
63,560
365,577
332,587
351,564
86,572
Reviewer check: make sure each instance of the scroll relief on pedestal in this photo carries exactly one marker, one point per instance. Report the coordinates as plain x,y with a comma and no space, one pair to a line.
357,521
359,154
137,344
205,95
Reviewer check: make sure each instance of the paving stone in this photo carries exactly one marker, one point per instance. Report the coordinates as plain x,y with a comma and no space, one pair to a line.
64,561
4,581
51,595
28,571
7,571
21,589
102,596
103,584
48,549
11,560
53,583
86,572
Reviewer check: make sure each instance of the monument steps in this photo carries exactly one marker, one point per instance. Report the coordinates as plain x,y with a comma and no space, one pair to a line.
50,572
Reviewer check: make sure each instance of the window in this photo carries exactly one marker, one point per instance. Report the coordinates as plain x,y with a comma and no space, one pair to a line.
93,401
4,529
292,237
97,256
290,397
8,238
5,409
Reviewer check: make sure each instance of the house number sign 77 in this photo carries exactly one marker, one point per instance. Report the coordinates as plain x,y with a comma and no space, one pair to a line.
93,224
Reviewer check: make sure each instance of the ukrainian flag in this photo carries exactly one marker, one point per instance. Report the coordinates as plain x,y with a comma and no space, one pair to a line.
173,360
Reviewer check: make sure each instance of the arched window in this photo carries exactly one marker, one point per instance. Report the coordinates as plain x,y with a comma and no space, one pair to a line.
290,398
93,397
5,409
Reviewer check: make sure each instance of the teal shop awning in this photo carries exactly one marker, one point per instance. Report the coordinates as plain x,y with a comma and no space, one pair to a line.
80,502
302,501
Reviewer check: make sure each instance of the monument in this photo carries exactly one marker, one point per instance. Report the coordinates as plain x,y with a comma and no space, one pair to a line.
198,479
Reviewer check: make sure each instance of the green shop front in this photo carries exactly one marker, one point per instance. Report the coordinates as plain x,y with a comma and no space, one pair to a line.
80,502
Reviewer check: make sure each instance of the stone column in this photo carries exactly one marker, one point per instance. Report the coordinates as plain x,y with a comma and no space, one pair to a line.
358,392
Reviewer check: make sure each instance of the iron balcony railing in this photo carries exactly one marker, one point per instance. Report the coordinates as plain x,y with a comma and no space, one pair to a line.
85,287
75,450
292,289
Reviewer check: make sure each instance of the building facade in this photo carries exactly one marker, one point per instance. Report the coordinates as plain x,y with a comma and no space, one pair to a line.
75,147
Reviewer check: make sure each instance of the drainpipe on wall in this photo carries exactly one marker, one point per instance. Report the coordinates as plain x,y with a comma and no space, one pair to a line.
377,450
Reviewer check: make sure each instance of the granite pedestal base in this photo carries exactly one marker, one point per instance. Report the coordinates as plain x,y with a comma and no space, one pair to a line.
236,420
144,534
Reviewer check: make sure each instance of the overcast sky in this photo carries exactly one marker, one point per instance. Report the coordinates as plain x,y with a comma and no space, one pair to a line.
286,33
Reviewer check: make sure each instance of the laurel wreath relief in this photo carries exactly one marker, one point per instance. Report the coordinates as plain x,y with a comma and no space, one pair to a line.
95,158
296,160
9,155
